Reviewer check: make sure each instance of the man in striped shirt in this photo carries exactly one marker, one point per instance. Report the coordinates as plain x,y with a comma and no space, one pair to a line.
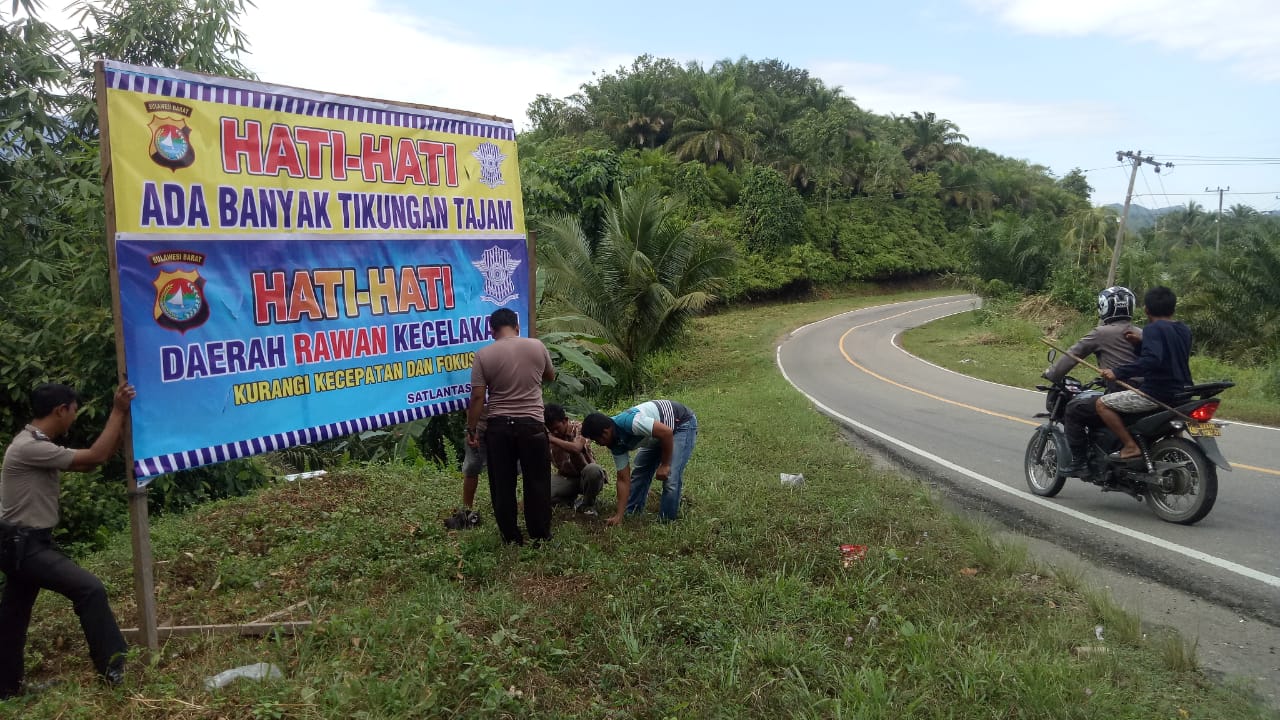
665,433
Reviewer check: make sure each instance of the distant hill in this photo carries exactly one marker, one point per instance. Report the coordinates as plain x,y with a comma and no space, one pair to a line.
1141,218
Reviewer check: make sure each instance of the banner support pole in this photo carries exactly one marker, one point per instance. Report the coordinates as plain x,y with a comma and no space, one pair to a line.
144,585
531,247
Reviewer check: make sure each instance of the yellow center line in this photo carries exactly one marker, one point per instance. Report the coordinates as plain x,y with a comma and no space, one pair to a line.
949,401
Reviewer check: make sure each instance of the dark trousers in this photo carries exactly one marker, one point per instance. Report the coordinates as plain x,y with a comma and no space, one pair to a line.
44,568
522,440
1081,415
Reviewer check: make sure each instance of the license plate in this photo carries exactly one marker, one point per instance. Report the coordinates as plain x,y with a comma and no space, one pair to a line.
1203,429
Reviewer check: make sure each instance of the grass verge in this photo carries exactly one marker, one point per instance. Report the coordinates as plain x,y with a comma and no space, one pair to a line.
743,608
1007,350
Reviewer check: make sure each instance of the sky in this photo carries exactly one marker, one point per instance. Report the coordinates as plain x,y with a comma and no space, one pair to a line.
1059,83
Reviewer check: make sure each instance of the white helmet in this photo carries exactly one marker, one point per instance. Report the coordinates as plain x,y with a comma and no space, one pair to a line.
1116,302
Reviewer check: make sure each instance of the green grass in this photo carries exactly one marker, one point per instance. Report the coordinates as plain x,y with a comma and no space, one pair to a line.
741,609
1008,350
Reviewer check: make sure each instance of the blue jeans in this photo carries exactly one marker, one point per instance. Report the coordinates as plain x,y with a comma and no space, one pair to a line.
646,464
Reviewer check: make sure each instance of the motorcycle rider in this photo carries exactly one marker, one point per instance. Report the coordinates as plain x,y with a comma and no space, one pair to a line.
1115,314
1163,362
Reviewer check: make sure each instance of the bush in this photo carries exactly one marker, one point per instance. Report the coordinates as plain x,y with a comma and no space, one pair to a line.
1271,380
771,210
1069,286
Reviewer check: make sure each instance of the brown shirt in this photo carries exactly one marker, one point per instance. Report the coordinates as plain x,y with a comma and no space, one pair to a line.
29,479
511,370
570,464
1107,341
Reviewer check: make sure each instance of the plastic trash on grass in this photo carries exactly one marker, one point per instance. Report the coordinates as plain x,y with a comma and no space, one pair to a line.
256,671
789,480
852,554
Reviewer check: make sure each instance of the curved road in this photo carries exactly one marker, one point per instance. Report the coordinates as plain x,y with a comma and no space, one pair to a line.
971,434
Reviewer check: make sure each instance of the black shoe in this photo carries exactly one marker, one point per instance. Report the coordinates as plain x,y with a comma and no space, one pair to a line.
463,519
1077,469
114,676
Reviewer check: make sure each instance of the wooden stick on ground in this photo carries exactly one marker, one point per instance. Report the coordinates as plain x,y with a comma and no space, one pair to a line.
278,613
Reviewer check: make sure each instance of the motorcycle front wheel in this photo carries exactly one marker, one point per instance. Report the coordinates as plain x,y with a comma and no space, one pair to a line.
1041,464
1193,479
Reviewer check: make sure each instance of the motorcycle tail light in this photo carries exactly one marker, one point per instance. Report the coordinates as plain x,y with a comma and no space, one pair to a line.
1205,412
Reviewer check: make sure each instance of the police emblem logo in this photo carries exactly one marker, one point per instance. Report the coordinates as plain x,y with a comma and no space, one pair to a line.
170,144
180,301
490,157
496,266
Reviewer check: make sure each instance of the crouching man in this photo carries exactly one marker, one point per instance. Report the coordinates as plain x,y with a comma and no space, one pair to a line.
577,479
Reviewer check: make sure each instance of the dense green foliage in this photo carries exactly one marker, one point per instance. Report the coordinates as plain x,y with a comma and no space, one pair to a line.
809,188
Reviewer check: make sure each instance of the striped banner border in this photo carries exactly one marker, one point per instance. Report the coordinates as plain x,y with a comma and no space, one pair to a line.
148,468
242,93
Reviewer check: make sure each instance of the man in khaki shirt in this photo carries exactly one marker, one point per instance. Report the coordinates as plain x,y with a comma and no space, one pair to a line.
511,370
29,487
577,478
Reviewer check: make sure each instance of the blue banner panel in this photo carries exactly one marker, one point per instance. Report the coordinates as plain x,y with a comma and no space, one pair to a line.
244,346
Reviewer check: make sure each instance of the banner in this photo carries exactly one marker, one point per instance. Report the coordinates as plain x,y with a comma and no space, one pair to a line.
294,266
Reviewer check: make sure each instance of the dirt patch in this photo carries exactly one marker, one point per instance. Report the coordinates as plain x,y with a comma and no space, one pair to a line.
549,589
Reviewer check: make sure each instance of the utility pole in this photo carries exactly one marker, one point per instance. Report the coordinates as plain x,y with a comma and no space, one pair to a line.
1217,242
1137,159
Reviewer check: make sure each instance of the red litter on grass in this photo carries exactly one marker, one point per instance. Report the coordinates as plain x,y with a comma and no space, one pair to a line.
852,553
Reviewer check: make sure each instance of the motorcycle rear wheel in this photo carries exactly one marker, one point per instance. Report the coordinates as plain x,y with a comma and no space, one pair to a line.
1041,464
1195,474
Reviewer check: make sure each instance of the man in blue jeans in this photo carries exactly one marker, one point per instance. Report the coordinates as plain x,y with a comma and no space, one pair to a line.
665,433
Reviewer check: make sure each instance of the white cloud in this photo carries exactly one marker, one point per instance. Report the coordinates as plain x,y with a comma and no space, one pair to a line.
357,47
992,123
1241,33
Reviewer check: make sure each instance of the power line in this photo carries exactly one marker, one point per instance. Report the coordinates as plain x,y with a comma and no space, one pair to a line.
1223,157
1214,192
1163,190
1234,163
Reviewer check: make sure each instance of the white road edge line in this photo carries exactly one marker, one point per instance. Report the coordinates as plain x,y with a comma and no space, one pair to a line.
1194,554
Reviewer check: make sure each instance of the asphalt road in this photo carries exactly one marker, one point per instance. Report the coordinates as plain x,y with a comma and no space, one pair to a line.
970,436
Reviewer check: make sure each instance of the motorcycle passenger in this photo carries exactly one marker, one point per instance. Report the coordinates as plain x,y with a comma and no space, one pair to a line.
1107,341
1163,362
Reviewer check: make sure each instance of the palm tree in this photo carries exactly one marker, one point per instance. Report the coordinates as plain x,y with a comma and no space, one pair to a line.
714,130
1088,239
1188,226
1236,304
963,186
647,275
1240,211
930,140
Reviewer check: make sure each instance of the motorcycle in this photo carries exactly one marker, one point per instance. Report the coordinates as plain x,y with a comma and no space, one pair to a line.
1176,474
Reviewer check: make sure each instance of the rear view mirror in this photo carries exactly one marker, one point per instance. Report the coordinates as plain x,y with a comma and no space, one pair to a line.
1053,354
